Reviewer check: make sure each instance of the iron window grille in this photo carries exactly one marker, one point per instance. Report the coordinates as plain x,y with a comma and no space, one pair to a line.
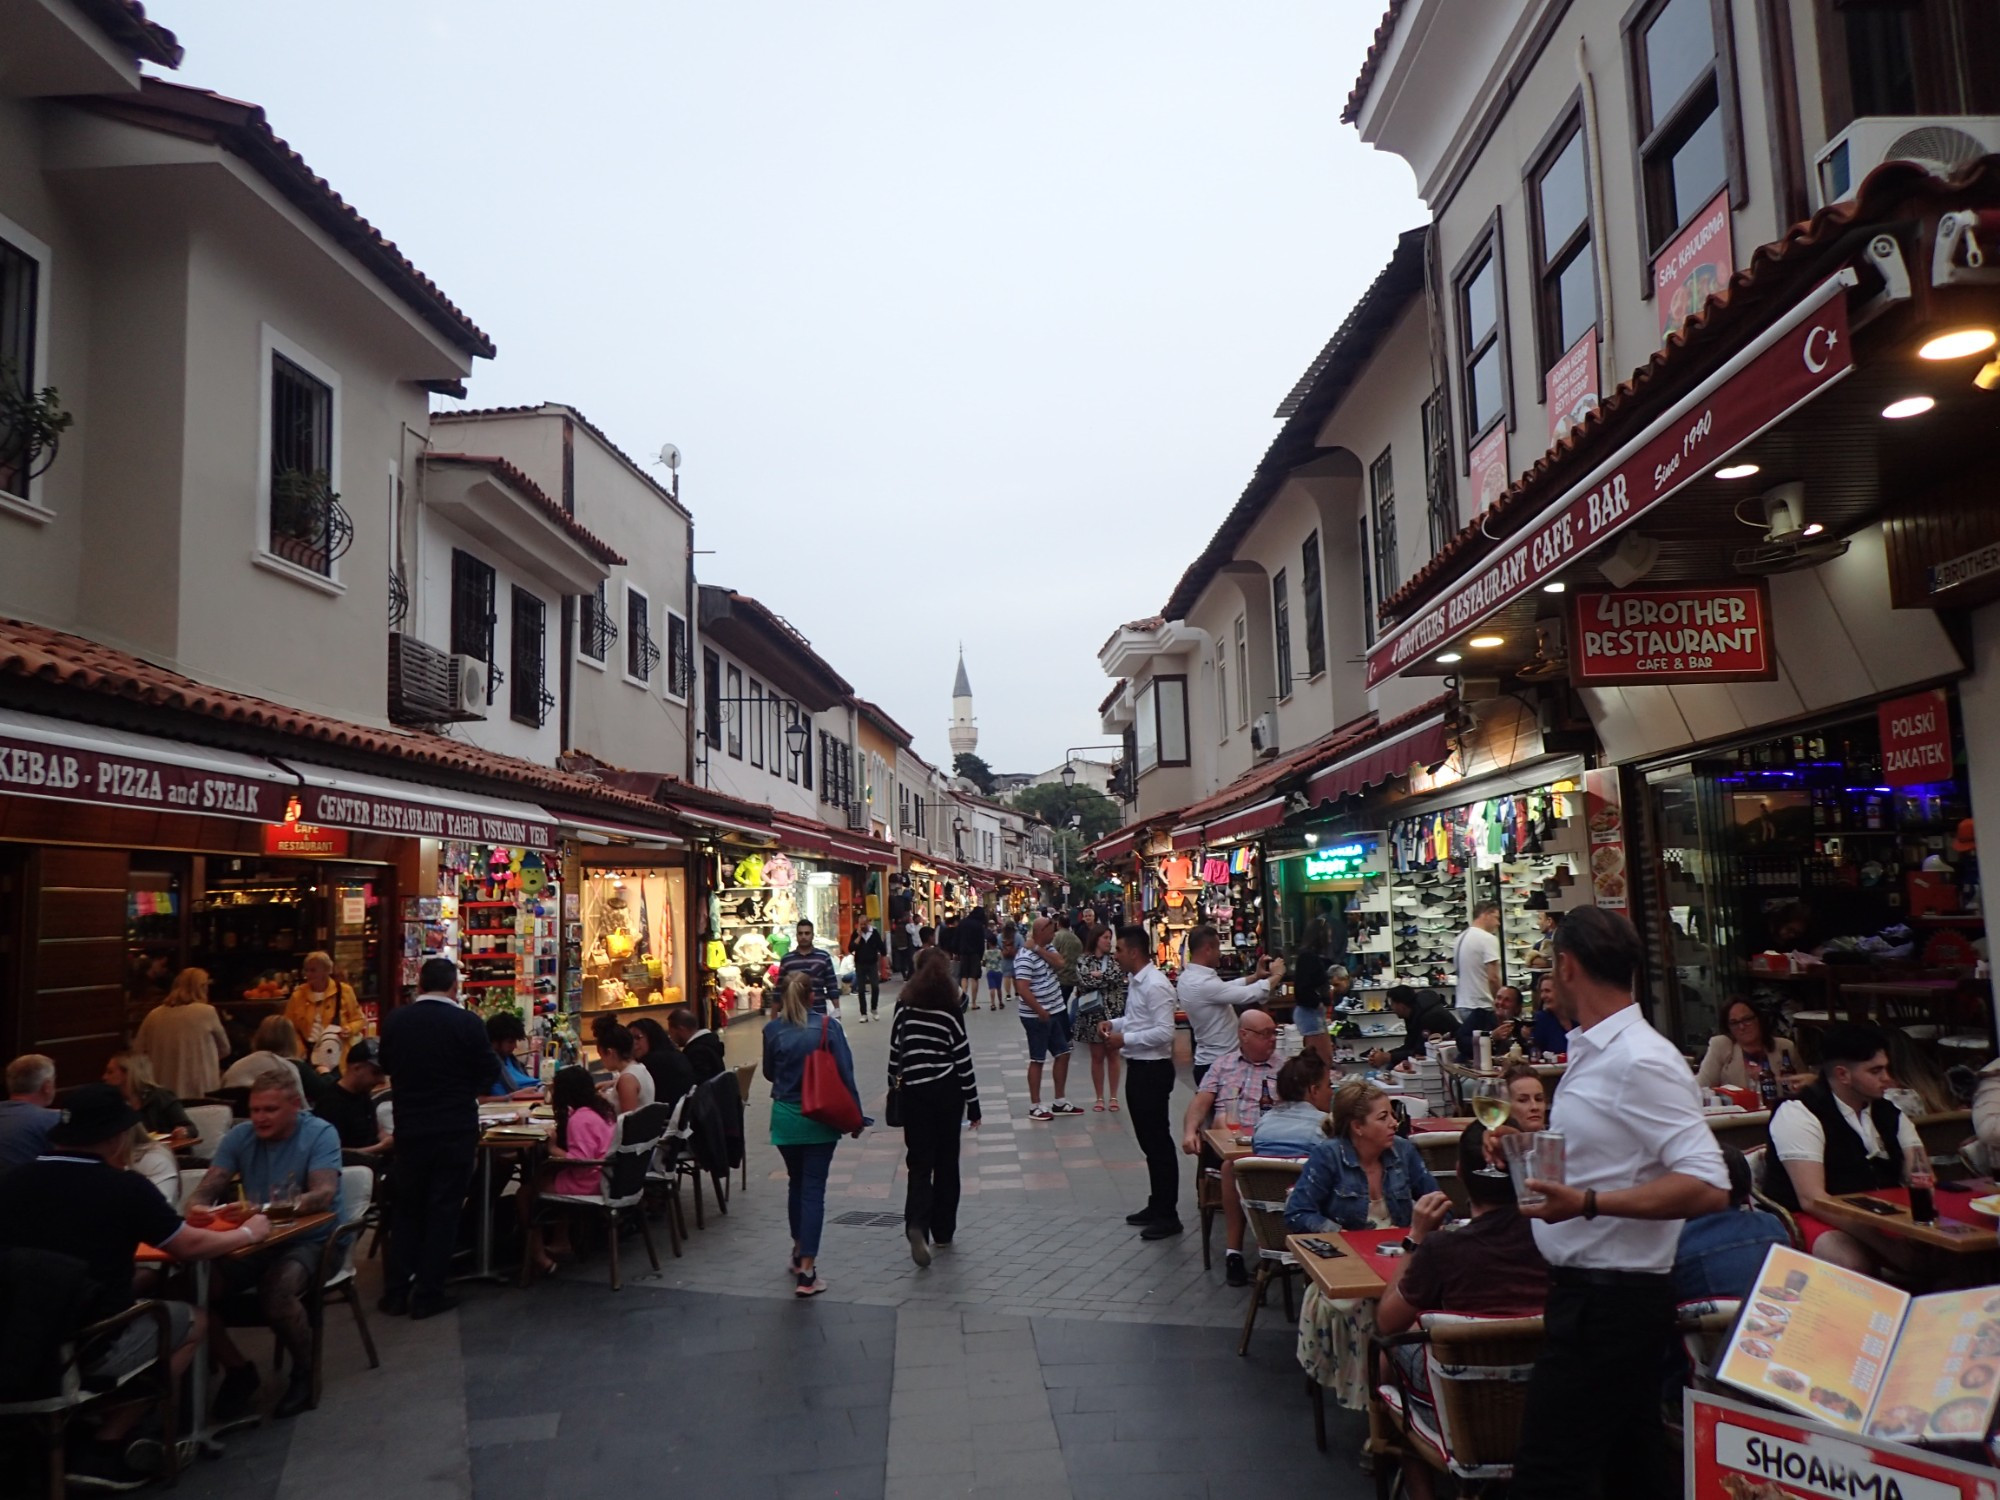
399,599
1382,505
642,652
596,631
529,698
1281,631
680,656
1310,592
309,527
20,304
473,614
1440,502
711,696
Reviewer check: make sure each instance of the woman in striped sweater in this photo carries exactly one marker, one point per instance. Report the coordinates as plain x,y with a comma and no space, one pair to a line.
932,1061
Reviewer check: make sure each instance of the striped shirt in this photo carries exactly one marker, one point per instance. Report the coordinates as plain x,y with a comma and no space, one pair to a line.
1031,970
817,965
928,1045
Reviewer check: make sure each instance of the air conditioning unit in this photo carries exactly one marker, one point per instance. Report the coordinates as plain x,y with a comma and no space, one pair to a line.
425,684
1941,146
469,674
857,817
1264,736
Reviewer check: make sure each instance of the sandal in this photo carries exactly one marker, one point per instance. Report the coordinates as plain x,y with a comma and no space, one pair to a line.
1098,1107
1113,1106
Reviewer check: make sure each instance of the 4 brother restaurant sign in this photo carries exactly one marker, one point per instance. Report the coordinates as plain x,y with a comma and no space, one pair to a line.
1702,634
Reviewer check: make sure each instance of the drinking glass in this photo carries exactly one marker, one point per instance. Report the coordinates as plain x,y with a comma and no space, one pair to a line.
1491,1108
1533,1154
1922,1178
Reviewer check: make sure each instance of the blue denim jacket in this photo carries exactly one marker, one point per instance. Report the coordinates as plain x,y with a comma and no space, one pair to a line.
786,1048
1332,1191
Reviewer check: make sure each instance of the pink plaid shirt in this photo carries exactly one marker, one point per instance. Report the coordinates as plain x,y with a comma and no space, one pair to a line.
1238,1084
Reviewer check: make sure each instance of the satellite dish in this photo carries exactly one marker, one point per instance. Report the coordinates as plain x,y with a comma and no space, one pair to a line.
670,456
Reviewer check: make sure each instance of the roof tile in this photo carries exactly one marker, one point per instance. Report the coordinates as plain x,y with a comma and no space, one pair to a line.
515,479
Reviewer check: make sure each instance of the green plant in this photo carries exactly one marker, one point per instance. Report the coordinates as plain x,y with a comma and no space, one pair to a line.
31,424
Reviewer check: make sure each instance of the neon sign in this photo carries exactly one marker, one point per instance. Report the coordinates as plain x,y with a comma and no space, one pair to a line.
1341,862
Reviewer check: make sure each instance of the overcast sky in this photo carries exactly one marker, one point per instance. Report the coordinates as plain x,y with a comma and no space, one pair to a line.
968,320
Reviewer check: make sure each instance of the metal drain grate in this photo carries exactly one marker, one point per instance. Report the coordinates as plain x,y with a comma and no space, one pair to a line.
871,1221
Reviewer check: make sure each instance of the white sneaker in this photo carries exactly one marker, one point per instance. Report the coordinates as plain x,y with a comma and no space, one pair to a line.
1064,1107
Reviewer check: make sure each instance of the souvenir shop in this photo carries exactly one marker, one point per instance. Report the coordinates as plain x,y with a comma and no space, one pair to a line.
1224,888
756,901
1335,880
626,932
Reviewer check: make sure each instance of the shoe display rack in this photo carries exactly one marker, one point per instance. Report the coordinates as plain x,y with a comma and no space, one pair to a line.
1428,910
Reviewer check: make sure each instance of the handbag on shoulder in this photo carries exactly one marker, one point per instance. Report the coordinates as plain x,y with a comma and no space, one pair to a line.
824,1096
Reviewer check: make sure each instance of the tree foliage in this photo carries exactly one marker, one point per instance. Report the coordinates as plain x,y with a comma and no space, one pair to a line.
974,770
1055,804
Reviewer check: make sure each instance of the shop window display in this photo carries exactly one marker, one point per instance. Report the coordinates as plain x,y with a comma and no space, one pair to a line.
631,938
1232,902
497,914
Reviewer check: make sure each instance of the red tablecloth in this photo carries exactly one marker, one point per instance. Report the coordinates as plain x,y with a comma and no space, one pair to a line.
1951,1207
1366,1242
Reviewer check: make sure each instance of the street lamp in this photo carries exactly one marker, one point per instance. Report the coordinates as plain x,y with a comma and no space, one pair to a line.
796,737
1068,774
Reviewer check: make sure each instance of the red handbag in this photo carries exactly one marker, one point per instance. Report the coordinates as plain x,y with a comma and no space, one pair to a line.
824,1096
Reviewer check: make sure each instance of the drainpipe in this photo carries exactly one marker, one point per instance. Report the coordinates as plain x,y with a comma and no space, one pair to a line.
1600,249
568,648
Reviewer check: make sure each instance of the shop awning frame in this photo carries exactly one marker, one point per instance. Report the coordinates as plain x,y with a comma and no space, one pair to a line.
596,831
1253,819
723,823
65,761
333,798
1426,742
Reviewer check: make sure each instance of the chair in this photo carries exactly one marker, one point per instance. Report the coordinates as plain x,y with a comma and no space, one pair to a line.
1208,1202
663,1171
1783,1215
337,1280
1263,1183
236,1100
1477,1370
745,1077
621,1183
1745,1132
711,1108
1704,1327
212,1122
1439,1149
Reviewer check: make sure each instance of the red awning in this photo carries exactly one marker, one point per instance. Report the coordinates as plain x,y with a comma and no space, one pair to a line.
1115,845
1253,819
1188,836
723,822
1425,743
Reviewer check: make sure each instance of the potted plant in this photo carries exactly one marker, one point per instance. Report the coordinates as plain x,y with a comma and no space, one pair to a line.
31,427
308,524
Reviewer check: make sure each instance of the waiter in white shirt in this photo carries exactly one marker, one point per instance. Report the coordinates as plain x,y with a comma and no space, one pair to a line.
1475,959
1146,1035
1212,1002
1641,1159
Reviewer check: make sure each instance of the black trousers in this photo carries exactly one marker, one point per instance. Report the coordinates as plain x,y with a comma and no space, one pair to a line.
931,1116
1149,1088
866,984
1593,1425
432,1175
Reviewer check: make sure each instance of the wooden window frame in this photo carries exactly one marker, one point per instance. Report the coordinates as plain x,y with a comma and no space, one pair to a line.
1159,723
1542,258
734,705
679,658
1387,543
1281,633
1488,242
1946,82
1649,134
1312,593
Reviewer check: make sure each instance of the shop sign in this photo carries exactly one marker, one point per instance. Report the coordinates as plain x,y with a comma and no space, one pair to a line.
1916,739
72,773
372,814
1969,567
1696,266
1569,390
1486,469
1787,367
1341,862
1720,634
1604,817
304,841
1736,1449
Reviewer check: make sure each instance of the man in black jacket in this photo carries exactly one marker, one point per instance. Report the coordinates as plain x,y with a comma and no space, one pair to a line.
1424,1015
867,949
700,1046
440,1064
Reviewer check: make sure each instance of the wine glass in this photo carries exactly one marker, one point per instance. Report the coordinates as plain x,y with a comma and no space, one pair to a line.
1491,1107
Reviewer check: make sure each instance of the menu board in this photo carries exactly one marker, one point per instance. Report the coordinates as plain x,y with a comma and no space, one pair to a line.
1859,1355
1740,1452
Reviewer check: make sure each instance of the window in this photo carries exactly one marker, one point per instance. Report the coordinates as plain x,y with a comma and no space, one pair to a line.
1440,504
711,697
308,527
1309,592
680,659
806,753
735,697
921,816
1242,674
596,631
1684,97
642,652
1382,506
1907,57
527,677
775,712
1162,723
20,311
1222,706
1281,632
473,612
1367,587
1481,297
903,824
757,723
1559,240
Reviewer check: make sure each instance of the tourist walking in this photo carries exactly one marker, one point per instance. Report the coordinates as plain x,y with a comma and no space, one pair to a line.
816,964
1100,997
185,1038
971,956
1045,1017
1145,1035
799,1029
1010,948
867,951
930,1068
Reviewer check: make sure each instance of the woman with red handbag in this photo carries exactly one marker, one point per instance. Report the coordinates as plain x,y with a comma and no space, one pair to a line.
813,1104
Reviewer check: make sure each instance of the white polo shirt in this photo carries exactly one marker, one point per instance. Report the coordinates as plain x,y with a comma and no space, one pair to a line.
1211,1003
1629,1112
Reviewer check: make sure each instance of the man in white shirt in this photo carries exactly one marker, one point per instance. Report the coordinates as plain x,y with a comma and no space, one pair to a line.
1841,1135
1640,1161
1475,958
1212,1002
1145,1033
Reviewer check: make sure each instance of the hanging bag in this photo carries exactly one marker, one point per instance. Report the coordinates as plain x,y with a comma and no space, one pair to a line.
824,1096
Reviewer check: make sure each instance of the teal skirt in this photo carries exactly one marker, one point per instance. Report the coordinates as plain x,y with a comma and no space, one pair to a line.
790,1128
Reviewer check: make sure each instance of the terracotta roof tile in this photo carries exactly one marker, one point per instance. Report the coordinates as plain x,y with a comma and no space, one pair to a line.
515,479
1775,275
881,718
199,114
124,21
1358,95
474,413
1111,697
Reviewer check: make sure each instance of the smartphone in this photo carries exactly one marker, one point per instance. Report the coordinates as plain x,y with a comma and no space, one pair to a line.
1323,1248
1876,1206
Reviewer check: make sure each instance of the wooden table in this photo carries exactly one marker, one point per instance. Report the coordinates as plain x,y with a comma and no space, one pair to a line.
1222,1141
1358,1271
524,1135
1958,1229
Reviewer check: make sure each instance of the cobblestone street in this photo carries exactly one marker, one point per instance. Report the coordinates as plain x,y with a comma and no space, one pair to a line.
1047,1353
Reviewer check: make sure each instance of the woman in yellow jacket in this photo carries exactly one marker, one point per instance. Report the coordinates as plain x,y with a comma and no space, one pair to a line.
324,1001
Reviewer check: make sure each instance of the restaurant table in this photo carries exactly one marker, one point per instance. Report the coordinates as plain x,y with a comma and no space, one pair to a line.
201,1435
498,1139
1223,1142
1359,1271
1958,1230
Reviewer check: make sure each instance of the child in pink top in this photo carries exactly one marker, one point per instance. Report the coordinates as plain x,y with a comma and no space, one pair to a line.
585,1125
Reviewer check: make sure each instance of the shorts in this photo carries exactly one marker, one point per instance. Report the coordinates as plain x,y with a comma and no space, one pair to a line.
237,1274
970,968
138,1342
993,980
1048,1038
1310,1022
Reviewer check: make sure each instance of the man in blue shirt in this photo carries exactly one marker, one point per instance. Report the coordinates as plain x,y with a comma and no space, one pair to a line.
816,964
28,1110
281,1155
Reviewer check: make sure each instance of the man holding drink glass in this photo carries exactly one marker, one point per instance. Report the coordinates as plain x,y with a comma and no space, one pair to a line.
1636,1159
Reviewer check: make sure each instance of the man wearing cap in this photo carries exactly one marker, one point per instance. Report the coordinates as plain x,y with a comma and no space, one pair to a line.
349,1104
280,1154
77,1199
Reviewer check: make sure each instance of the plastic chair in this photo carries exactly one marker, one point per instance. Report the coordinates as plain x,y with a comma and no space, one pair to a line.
1470,1425
621,1183
663,1171
212,1122
337,1280
1263,1183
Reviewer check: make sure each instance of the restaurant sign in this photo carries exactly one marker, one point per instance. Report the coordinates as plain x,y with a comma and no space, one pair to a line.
1785,367
1734,1449
1916,739
371,813
303,840
1715,634
77,772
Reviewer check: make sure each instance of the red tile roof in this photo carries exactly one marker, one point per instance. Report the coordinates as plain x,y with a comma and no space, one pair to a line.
1111,697
883,721
1256,783
198,114
516,480
54,658
474,413
1776,275
1358,95
124,21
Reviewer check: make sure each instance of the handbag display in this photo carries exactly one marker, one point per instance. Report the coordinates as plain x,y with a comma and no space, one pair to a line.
824,1097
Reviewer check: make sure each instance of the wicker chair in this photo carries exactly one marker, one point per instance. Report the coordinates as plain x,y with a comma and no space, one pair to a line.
621,1183
1783,1215
1263,1183
1478,1371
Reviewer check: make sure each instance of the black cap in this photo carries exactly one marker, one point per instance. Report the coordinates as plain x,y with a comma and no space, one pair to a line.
366,1051
92,1113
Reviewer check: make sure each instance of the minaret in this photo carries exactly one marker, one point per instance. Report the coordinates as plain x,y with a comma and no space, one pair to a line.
964,734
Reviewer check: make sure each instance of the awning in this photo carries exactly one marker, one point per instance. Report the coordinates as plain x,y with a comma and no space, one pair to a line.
1426,742
1187,836
1254,819
857,852
592,831
722,822
69,762
1114,845
376,804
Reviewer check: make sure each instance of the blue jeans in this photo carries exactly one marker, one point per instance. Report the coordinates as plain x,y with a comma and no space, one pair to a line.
805,1195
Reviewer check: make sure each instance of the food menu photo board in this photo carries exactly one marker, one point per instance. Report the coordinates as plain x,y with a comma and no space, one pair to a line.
1861,1356
1735,1451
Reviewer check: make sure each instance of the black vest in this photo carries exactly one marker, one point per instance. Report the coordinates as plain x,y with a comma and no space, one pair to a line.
1849,1167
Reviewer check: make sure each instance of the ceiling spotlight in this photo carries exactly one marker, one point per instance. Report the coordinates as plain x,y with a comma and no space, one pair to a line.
1736,471
1555,588
1959,343
1449,657
1813,530
1486,642
1909,406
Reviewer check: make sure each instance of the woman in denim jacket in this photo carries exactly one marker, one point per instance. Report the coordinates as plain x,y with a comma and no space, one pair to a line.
1364,1175
790,1037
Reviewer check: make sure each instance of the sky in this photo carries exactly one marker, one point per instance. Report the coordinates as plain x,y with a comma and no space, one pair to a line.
969,321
